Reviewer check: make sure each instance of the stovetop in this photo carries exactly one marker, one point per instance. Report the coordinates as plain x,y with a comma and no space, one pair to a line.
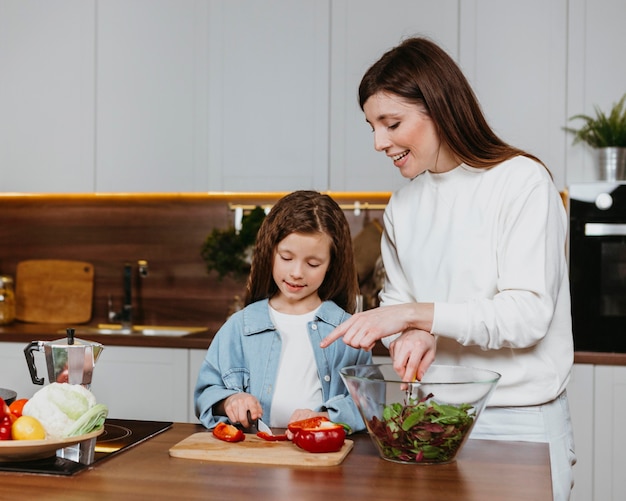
118,436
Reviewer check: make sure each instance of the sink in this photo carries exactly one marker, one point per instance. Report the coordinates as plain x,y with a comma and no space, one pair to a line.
137,330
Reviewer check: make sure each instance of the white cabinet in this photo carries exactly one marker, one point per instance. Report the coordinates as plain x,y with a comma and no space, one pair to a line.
242,95
14,374
580,397
47,96
196,357
268,102
143,383
595,73
154,384
609,433
597,398
515,56
361,31
151,99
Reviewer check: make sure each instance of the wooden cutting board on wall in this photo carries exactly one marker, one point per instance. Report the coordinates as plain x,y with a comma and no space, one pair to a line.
54,291
204,446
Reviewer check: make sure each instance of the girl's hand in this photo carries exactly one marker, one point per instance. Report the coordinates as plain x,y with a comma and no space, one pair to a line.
412,353
362,330
236,408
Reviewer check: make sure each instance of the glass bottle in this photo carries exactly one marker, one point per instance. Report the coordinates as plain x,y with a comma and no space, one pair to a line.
7,300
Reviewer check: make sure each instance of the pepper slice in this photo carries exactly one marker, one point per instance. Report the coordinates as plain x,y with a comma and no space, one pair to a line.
309,423
318,434
271,438
228,433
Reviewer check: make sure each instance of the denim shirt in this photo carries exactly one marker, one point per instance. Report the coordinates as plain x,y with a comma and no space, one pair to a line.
244,357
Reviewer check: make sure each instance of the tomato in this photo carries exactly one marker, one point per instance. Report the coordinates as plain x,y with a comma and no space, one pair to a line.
5,427
4,408
27,428
17,406
228,433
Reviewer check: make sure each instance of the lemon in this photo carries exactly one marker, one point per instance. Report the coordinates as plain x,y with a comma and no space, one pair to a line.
27,428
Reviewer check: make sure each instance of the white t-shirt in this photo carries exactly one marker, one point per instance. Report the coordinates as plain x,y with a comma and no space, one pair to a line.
297,381
487,247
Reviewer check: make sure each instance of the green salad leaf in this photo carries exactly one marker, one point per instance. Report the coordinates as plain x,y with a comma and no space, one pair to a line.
422,431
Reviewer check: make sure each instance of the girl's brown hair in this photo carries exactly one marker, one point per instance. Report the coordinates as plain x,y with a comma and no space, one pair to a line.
306,212
422,73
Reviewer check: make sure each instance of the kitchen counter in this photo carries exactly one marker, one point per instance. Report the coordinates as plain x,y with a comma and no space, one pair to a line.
23,332
485,470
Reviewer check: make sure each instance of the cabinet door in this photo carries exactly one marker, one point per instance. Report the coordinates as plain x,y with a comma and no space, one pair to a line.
595,71
580,397
609,433
14,374
196,357
268,103
47,96
515,55
151,119
143,383
362,30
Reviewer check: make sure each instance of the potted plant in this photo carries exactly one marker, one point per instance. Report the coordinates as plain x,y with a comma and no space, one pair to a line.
229,252
606,133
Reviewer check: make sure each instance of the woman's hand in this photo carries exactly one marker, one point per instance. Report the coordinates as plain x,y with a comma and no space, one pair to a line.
362,330
412,353
236,408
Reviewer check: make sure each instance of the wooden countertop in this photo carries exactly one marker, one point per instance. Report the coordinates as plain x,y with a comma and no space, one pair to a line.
23,332
485,470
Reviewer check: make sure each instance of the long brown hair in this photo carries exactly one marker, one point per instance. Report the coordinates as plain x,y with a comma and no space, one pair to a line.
306,212
421,72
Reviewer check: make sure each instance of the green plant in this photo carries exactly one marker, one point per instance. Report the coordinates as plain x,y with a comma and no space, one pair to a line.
227,252
602,130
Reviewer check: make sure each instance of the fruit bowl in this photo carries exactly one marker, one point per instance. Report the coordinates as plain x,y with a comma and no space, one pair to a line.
420,422
29,450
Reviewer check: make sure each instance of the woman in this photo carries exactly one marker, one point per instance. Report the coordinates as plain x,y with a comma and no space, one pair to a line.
473,250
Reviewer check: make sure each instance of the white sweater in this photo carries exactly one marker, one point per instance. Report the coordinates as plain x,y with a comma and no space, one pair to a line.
488,248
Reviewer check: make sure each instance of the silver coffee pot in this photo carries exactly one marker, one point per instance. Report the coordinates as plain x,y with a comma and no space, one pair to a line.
69,360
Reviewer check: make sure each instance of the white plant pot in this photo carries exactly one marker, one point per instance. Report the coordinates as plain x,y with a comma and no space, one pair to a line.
612,163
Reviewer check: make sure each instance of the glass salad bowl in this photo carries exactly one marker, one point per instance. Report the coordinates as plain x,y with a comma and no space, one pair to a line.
420,422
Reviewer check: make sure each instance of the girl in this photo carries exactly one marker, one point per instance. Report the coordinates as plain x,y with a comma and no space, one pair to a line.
266,360
473,250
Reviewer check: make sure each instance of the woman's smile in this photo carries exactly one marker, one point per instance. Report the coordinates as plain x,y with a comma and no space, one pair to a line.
405,132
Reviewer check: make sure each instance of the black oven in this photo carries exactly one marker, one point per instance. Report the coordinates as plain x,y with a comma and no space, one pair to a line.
597,264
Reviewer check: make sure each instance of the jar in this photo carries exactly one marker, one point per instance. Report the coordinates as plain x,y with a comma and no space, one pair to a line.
7,300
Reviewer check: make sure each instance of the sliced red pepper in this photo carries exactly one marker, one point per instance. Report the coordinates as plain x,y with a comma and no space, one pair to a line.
228,433
271,438
318,434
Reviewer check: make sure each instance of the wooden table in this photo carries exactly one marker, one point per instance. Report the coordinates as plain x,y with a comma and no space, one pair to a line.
485,470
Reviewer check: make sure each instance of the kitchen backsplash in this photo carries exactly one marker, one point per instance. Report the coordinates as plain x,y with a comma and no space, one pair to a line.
166,230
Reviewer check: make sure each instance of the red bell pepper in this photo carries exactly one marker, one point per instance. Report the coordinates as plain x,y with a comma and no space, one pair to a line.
228,433
318,434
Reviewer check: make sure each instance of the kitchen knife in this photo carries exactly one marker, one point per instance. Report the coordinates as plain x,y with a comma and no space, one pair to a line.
261,426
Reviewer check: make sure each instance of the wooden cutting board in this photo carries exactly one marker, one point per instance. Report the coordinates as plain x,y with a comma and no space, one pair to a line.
204,446
54,291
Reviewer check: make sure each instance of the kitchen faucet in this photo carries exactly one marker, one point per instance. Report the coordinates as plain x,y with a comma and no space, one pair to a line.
125,316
